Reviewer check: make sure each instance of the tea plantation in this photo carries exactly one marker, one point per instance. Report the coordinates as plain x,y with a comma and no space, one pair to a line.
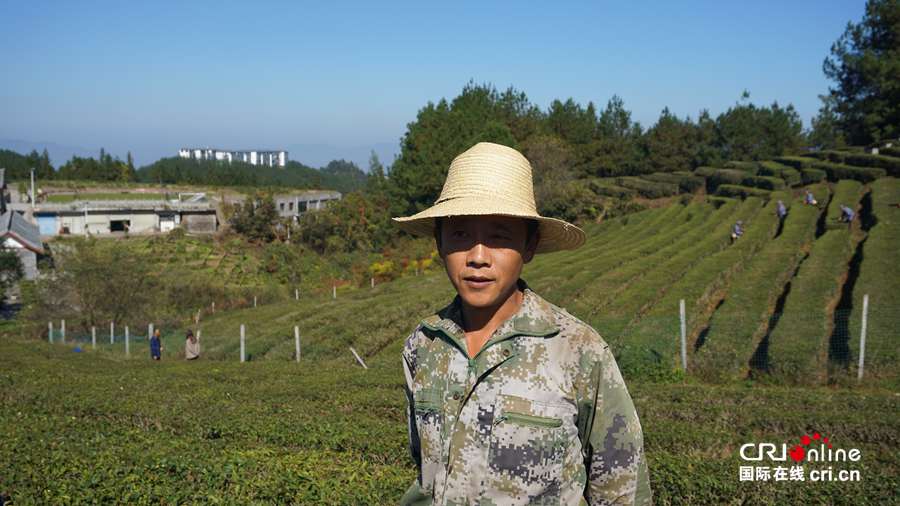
773,326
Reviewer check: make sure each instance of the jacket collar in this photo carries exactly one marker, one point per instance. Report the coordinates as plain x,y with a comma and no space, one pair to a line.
533,318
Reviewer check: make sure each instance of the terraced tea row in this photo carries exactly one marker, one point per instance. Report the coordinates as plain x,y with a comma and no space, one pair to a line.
737,327
798,346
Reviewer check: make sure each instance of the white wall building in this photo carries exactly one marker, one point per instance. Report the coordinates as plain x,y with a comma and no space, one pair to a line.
253,157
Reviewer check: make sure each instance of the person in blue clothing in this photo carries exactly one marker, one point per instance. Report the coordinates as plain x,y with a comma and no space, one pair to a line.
810,199
781,210
847,214
155,345
737,231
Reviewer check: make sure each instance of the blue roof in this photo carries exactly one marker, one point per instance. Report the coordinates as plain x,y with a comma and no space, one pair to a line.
13,224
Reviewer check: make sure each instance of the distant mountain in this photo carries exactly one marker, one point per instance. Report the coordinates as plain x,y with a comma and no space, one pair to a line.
312,155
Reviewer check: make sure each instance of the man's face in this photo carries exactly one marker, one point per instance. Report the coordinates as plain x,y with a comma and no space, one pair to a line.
484,256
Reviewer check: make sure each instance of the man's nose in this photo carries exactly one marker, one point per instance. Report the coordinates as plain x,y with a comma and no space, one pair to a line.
478,254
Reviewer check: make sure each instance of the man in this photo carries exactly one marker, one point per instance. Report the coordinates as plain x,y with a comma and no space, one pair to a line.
737,231
810,199
847,214
511,400
781,210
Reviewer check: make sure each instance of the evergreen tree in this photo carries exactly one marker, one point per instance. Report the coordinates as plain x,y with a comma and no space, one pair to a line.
865,67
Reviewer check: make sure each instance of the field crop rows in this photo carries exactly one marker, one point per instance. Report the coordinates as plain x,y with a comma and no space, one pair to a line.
702,286
559,277
798,346
746,301
736,328
598,284
879,276
658,275
80,428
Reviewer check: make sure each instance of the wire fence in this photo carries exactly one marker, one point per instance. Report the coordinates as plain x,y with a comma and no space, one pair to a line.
794,347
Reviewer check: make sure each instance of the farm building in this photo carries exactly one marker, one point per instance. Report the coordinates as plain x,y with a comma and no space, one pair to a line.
120,216
296,204
22,237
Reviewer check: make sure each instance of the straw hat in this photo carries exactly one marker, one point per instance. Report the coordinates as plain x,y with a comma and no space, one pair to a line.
490,179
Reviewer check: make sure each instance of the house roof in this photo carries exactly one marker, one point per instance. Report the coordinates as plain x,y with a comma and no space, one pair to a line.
13,224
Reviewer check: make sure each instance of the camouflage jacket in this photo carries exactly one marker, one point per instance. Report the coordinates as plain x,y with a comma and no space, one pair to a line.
506,426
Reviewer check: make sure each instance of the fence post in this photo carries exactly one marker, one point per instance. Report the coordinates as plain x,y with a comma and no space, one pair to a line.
372,282
682,313
862,338
93,338
149,331
50,331
358,359
112,333
62,330
127,342
213,306
243,349
333,291
297,342
296,294
254,301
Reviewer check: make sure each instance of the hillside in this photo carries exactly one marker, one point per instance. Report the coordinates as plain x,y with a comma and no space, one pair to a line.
782,303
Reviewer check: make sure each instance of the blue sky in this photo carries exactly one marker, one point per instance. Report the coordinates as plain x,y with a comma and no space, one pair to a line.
343,78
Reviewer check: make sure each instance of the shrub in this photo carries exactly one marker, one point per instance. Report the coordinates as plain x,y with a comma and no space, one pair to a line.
790,175
764,182
609,188
751,168
889,163
687,183
725,176
836,172
570,201
797,162
705,171
649,189
811,176
733,190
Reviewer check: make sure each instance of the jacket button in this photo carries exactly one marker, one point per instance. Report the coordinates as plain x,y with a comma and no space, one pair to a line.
505,353
456,396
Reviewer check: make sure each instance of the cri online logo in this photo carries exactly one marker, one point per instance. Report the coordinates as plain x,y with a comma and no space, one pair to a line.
807,449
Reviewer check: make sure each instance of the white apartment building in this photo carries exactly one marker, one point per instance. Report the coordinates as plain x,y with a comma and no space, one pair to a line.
253,157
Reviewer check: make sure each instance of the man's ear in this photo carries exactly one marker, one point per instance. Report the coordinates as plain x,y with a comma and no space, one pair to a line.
531,246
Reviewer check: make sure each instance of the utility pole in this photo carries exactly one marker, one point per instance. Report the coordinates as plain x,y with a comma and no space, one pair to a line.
32,189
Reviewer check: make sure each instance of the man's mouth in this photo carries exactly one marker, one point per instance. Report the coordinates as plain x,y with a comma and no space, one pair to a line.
477,281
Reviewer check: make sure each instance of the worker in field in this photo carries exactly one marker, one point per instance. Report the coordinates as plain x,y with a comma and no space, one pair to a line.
191,346
847,214
511,400
737,231
781,210
810,199
155,345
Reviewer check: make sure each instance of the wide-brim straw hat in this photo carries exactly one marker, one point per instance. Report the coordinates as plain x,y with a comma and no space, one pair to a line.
490,179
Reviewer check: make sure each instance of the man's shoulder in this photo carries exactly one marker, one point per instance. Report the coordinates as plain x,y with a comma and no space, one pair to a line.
572,330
